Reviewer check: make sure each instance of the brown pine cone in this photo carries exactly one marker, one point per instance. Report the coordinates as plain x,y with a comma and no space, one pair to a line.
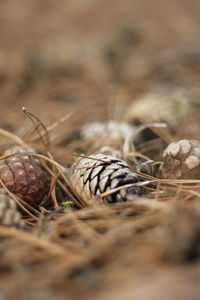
9,216
182,160
23,176
100,173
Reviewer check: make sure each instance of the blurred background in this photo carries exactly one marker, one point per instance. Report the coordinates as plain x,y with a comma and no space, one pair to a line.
93,58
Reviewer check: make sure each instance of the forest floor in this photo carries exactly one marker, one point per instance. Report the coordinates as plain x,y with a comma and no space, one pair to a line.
92,59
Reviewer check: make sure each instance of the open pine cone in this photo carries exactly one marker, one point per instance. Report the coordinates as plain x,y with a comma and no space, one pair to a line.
182,160
9,216
101,173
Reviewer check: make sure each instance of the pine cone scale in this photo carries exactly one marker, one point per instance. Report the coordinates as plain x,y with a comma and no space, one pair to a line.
7,177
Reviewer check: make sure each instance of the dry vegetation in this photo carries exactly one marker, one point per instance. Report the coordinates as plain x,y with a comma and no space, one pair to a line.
70,58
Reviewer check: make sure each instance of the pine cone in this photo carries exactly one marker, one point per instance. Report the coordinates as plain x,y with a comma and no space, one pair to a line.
100,173
182,160
110,131
23,176
9,216
171,107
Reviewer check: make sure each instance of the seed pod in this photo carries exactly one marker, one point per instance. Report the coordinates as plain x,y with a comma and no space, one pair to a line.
9,216
100,173
182,160
23,176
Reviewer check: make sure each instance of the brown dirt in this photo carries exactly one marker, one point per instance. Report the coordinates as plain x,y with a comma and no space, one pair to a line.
93,58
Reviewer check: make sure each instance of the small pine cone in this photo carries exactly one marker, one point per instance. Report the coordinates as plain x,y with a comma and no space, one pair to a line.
23,176
171,107
9,216
182,160
101,173
112,130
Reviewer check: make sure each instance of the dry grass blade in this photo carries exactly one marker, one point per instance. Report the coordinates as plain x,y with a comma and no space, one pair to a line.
111,191
137,154
22,204
50,160
81,201
52,190
149,145
14,138
49,247
160,131
37,123
46,143
131,137
62,186
43,133
92,158
61,169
